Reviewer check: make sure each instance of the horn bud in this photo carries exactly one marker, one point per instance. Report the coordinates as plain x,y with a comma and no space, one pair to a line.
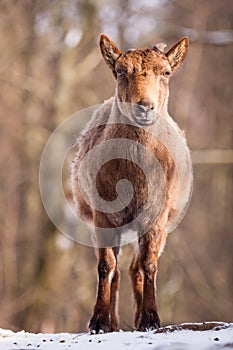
160,47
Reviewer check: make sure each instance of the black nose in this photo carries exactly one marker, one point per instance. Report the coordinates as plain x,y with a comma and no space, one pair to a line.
144,106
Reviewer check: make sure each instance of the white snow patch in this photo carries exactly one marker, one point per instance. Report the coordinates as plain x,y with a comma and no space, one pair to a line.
180,339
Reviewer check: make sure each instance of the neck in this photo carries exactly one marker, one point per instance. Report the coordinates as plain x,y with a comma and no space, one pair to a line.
164,106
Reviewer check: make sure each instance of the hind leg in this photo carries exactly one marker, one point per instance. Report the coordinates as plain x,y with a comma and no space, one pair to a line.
137,286
114,300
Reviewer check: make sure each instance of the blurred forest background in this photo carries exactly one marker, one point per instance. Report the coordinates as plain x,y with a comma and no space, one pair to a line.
51,67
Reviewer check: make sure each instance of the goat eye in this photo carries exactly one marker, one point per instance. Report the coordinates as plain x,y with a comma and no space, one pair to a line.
167,73
120,73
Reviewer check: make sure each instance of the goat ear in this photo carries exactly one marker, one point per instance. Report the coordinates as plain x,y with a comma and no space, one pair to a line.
177,53
109,51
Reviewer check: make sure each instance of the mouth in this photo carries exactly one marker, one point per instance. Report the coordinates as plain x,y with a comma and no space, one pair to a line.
145,119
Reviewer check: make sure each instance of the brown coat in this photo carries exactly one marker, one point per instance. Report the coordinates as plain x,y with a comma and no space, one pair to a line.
132,176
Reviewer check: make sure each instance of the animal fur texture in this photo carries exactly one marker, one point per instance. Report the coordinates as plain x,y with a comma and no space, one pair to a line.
132,173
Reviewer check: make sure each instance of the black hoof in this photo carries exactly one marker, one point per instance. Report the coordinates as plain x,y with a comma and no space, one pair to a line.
100,323
149,321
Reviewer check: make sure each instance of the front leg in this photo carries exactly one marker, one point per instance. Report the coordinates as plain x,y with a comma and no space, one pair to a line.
101,319
150,246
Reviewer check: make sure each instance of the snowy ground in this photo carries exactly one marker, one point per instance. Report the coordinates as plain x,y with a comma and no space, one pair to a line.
180,337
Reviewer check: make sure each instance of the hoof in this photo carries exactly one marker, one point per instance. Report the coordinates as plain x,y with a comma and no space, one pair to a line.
100,323
149,321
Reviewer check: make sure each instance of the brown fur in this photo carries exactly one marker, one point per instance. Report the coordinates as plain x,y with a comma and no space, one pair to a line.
142,88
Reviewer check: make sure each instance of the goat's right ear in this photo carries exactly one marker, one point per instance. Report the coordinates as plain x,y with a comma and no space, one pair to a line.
110,52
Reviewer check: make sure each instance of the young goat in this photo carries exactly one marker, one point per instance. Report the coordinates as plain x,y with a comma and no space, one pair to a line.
137,115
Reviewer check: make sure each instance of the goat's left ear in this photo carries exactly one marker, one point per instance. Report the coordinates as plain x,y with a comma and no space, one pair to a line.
177,53
109,51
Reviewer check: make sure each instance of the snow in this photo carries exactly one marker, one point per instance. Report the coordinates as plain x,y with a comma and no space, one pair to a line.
220,337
